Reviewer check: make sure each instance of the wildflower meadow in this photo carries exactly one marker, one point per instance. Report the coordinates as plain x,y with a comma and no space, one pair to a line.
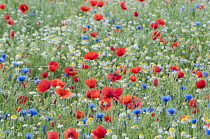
104,69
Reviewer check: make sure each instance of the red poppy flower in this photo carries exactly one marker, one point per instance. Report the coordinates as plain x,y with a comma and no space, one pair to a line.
76,79
161,22
93,2
195,110
94,34
63,93
163,40
91,83
100,3
156,69
126,99
155,82
53,65
10,22
108,118
112,48
105,103
114,77
122,69
110,92
57,82
192,47
135,69
23,8
175,44
18,109
153,114
84,66
6,16
130,101
123,5
43,85
2,6
45,74
120,51
116,30
85,8
201,7
92,93
133,78
84,29
70,71
52,135
99,132
71,133
174,67
199,74
200,84
12,34
192,103
22,99
156,34
79,114
91,55
141,0
98,17
180,74
135,14
154,25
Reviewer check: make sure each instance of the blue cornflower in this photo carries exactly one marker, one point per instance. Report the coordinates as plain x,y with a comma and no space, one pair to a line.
165,98
44,128
23,112
197,64
197,23
94,11
144,109
84,37
148,77
114,19
31,15
88,26
2,60
84,120
182,87
137,111
139,27
21,78
209,105
208,131
29,136
206,73
91,105
144,85
99,115
118,26
3,55
33,111
37,81
49,118
194,121
171,111
188,96
192,9
25,70
197,6
107,13
151,109
15,63
97,40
